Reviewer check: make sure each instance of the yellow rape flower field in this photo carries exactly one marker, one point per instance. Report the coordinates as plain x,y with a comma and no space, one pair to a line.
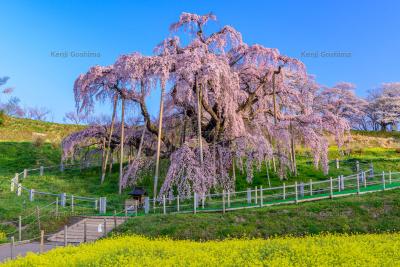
320,250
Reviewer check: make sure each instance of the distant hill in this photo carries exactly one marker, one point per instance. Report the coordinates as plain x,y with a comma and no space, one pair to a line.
26,130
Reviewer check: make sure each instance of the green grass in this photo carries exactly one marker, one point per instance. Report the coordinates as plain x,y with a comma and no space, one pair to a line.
17,153
18,130
375,212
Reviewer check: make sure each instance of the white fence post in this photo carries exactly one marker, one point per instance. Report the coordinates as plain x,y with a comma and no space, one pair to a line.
31,195
383,181
12,185
364,179
284,191
342,183
358,166
19,189
261,196
255,195
223,201
311,187
337,163
295,190
41,170
177,204
390,177
25,173
248,196
229,198
72,203
194,203
146,205
339,179
358,184
331,187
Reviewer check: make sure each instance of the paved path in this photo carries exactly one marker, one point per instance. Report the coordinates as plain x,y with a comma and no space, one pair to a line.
22,249
96,227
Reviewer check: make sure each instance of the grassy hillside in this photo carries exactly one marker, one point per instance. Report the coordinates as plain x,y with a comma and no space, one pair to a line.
375,212
19,149
18,130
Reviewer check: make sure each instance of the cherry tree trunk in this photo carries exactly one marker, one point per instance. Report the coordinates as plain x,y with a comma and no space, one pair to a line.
141,143
121,158
104,166
157,172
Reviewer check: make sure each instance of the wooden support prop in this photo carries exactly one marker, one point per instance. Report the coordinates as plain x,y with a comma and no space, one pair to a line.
105,226
41,241
12,247
65,235
19,228
84,231
38,217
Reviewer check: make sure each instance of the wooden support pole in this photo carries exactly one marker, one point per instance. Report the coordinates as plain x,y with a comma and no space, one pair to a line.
115,219
41,241
84,231
65,235
19,228
105,226
12,247
38,217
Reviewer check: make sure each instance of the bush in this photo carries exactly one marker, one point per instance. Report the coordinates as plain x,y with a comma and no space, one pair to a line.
38,139
3,237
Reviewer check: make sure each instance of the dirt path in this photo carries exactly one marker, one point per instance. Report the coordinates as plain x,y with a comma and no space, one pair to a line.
22,249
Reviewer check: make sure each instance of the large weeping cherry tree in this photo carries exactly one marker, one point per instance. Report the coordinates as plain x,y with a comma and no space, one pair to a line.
228,103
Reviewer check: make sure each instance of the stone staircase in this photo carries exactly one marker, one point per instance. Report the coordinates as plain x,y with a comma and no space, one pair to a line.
96,227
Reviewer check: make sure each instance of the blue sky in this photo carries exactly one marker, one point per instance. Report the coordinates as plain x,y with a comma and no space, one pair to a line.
31,30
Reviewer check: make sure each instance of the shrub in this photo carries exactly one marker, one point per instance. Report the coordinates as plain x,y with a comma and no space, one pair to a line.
2,117
38,139
3,237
